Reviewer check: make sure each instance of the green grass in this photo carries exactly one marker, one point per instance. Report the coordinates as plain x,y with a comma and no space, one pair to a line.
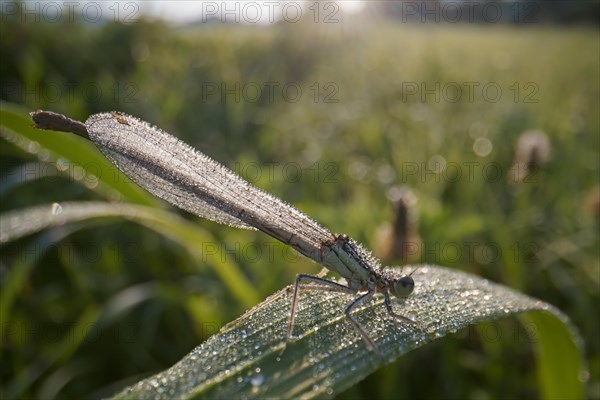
545,229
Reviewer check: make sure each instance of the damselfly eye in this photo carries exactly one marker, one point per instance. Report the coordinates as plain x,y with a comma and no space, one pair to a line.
403,286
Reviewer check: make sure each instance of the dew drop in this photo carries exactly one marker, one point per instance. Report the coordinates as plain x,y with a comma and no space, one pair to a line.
257,380
44,155
584,376
62,164
33,147
482,147
56,209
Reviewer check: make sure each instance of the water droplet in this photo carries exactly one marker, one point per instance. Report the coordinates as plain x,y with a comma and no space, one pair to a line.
584,376
257,380
33,147
56,209
44,155
62,164
482,147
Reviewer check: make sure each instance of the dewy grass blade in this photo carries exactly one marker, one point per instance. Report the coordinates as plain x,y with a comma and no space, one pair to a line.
241,361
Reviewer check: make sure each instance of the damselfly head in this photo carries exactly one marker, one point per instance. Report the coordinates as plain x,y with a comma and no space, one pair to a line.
402,286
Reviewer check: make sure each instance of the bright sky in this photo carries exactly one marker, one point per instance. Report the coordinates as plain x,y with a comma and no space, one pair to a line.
184,11
248,11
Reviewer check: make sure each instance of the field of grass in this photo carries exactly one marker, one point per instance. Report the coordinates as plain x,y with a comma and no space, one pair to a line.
330,119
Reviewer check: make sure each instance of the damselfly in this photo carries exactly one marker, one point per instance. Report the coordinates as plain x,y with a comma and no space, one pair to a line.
188,179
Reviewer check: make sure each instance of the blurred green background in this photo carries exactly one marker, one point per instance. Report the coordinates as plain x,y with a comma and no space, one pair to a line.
332,113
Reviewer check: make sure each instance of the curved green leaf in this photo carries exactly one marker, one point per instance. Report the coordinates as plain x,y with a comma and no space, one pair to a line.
328,356
556,354
80,158
18,223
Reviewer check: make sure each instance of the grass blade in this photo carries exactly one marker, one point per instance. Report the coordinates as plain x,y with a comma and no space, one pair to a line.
18,223
327,356
80,158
